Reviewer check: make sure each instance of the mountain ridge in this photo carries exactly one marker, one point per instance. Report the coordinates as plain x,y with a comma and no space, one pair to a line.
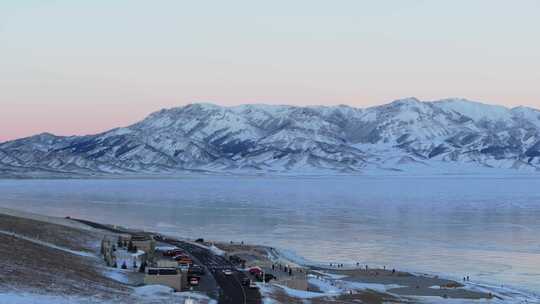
404,135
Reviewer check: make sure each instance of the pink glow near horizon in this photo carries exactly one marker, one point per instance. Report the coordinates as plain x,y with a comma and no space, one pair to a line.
74,118
63,72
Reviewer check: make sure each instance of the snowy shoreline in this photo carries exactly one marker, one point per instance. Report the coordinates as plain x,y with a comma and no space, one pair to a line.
512,293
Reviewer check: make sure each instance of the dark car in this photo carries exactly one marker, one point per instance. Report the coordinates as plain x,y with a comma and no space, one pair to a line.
196,269
267,277
194,280
173,252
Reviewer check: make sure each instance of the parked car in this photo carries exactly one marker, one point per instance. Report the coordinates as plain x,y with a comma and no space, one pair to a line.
196,269
255,271
177,256
194,281
183,259
227,272
268,277
173,252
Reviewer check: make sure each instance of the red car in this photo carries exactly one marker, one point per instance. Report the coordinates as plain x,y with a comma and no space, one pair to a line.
255,271
183,260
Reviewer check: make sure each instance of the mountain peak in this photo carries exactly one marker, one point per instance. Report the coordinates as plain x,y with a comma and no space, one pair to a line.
407,101
204,106
46,135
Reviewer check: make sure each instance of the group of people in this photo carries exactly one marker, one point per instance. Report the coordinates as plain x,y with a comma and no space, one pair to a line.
367,267
337,265
285,268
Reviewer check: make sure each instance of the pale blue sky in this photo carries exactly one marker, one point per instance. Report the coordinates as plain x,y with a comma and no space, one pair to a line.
91,65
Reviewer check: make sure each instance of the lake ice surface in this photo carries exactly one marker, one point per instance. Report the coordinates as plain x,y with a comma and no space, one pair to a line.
484,227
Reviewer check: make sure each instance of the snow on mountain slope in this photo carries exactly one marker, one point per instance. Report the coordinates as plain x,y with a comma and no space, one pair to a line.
399,136
527,115
475,110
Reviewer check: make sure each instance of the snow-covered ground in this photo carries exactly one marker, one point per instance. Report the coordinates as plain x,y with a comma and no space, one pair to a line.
165,294
329,286
212,248
267,290
118,274
132,260
29,298
326,286
150,294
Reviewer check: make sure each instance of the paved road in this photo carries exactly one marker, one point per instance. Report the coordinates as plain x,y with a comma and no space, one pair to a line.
231,289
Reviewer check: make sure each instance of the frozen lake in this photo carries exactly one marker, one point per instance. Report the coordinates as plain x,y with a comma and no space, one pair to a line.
485,227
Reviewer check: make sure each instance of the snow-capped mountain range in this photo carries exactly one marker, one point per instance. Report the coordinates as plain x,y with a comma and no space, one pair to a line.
401,136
